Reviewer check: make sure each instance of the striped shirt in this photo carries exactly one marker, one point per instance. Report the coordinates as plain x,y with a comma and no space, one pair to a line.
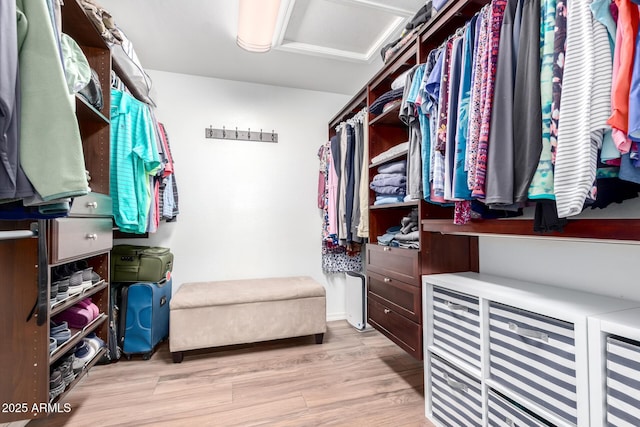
584,109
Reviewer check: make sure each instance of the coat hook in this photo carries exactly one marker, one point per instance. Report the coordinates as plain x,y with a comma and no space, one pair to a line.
260,134
236,132
272,135
224,132
249,134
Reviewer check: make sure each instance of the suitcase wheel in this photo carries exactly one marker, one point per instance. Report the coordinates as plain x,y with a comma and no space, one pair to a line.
146,356
127,356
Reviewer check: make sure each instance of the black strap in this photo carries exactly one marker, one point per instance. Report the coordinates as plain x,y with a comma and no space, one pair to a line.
43,276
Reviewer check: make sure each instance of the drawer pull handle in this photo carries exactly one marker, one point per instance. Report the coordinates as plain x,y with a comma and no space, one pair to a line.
92,205
387,280
387,311
529,333
386,249
456,307
456,385
92,236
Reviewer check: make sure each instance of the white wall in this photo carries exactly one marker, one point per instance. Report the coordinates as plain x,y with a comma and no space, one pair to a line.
603,268
247,209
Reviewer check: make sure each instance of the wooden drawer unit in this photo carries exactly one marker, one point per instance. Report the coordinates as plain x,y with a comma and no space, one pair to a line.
92,204
397,263
456,398
75,237
404,332
503,413
403,298
623,382
456,324
534,356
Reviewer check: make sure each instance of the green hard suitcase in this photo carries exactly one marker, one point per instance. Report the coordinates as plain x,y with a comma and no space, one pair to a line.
131,263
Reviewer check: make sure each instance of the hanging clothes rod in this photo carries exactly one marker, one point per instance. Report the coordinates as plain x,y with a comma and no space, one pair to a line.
17,234
240,135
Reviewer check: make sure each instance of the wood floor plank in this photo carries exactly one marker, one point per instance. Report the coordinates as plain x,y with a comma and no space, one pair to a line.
352,379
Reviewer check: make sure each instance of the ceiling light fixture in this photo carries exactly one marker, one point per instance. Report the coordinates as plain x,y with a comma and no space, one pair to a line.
256,24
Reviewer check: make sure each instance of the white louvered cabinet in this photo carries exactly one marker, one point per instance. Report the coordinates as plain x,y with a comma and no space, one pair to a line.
527,345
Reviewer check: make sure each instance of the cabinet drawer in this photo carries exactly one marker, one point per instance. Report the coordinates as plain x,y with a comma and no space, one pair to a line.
92,204
503,413
74,237
403,298
456,398
623,384
456,324
534,356
397,263
399,329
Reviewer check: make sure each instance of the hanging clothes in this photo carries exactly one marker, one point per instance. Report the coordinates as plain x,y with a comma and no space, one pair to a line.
477,96
627,30
336,258
363,224
460,189
586,105
541,186
48,109
452,115
13,181
409,116
559,49
500,163
527,111
134,157
489,77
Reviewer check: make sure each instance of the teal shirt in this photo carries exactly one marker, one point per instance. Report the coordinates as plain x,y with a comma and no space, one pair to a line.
134,157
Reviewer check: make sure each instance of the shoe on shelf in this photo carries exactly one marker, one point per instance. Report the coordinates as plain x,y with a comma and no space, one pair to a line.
95,342
86,303
87,273
83,355
66,370
61,336
53,344
56,384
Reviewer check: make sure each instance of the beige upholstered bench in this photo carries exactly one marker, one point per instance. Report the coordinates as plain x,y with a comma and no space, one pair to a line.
212,314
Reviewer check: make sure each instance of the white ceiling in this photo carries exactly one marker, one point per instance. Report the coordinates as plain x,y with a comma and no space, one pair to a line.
325,45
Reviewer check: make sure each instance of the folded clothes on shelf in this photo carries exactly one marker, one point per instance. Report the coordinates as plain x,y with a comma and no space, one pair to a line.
395,150
378,105
395,167
386,200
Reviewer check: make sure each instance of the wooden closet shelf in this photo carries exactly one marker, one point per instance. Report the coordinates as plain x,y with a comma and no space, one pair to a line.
400,155
68,302
396,205
86,111
388,118
81,374
442,19
78,334
597,229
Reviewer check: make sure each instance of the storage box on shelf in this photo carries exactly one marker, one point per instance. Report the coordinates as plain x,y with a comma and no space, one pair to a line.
527,344
614,355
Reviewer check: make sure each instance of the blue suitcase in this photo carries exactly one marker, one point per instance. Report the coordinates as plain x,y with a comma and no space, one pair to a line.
146,317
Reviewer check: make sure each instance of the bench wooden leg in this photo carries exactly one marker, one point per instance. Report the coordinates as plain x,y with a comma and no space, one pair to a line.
319,338
177,356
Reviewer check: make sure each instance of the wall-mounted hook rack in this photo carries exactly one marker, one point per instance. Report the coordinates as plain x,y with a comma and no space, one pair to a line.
240,135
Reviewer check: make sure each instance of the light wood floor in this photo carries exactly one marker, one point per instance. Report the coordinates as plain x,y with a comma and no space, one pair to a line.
352,379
